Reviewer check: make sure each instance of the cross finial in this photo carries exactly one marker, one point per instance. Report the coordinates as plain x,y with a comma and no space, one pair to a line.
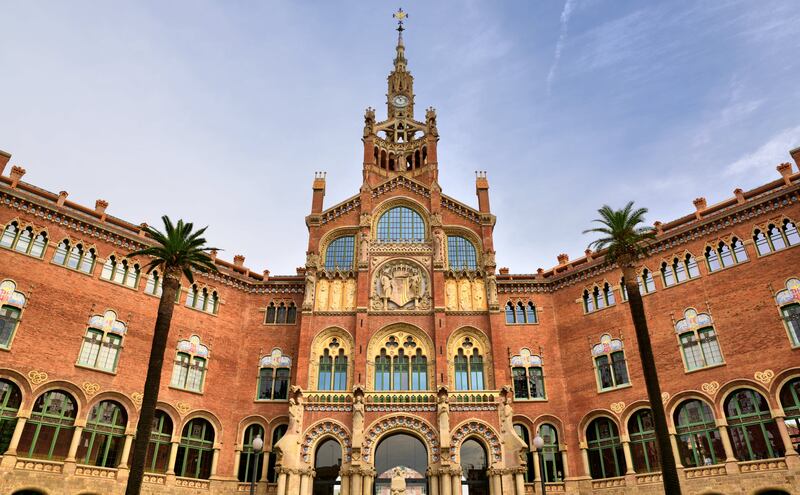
400,15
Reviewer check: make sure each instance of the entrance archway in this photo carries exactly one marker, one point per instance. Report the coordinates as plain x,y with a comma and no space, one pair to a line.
474,463
327,462
406,451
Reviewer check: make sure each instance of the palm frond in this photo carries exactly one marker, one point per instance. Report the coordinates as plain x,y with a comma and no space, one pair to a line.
622,235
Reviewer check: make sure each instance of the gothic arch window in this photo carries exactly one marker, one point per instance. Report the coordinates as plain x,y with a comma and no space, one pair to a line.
281,313
604,449
155,286
401,224
644,450
340,253
680,269
753,433
274,371
788,301
598,297
103,342
401,365
24,240
551,451
610,364
699,441
776,236
461,253
468,367
521,313
157,459
202,299
121,272
790,401
48,432
189,368
10,402
75,257
698,340
104,435
333,368
196,450
249,467
722,255
527,376
12,302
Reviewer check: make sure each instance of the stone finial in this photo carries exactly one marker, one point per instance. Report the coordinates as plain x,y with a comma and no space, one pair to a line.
563,259
785,169
796,156
700,203
301,271
504,270
4,158
266,275
16,174
588,254
659,227
143,228
100,206
739,195
238,260
540,271
213,254
62,196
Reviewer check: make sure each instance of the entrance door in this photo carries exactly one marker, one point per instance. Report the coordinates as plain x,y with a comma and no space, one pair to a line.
406,451
327,462
474,480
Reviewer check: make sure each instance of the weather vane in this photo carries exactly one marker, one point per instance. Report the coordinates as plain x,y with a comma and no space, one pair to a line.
400,15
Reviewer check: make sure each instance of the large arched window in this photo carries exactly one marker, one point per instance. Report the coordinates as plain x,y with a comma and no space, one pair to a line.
104,435
524,434
273,376
157,459
401,224
644,450
552,457
196,450
754,434
203,299
74,257
24,240
698,340
723,256
609,361
606,459
189,368
468,367
598,298
327,462
121,272
474,463
48,432
680,269
103,341
401,450
340,253
527,375
461,253
401,367
250,468
11,303
790,401
776,237
277,433
10,401
699,442
332,369
789,301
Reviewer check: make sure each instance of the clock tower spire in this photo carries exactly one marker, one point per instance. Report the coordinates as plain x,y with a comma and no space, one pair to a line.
400,97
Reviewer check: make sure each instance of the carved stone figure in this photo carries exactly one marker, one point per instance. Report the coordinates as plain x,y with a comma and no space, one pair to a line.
398,485
365,220
443,416
438,246
369,121
322,295
492,291
400,285
478,290
295,414
336,295
415,286
350,294
308,297
450,298
364,247
312,261
358,419
464,296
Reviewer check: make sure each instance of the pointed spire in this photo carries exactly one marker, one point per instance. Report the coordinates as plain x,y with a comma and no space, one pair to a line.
400,59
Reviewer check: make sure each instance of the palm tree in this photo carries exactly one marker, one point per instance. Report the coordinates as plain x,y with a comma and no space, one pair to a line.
178,250
624,239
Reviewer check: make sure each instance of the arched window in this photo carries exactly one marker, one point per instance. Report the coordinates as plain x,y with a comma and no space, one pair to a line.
157,458
401,224
271,314
680,270
461,253
609,362
332,369
527,375
754,434
202,299
11,303
102,343
327,462
474,463
104,435
510,313
699,442
325,379
606,459
340,253
280,319
10,401
291,314
277,433
121,272
724,256
776,237
530,313
598,298
530,471
48,432
249,467
196,450
401,367
468,366
273,376
75,258
189,368
789,301
155,286
281,313
644,450
340,371
790,401
551,452
646,282
698,340
521,313
24,240
408,451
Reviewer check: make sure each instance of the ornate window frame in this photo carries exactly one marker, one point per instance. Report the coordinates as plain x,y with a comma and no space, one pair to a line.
391,203
401,332
527,361
477,340
111,269
695,324
66,253
675,266
203,298
11,242
598,296
273,310
607,347
196,352
12,298
514,308
714,255
335,337
109,328
276,360
786,298
765,228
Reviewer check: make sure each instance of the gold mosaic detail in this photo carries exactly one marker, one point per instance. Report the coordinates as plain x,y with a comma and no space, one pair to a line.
183,408
36,377
765,376
90,388
618,407
664,396
710,387
137,398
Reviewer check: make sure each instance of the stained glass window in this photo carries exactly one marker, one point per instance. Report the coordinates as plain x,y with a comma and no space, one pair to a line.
401,224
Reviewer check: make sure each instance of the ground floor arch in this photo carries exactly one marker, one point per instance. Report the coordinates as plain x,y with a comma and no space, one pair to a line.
474,466
327,466
401,451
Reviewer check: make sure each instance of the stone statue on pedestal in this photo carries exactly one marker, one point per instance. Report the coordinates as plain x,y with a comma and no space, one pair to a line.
398,485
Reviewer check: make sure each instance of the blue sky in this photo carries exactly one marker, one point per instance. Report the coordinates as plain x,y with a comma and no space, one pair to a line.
220,112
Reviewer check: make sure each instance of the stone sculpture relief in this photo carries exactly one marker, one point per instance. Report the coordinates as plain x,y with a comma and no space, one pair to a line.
465,294
400,286
336,295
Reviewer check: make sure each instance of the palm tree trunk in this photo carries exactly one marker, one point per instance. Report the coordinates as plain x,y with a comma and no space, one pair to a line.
669,473
151,385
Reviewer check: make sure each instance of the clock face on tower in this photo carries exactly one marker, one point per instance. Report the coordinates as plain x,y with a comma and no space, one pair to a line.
400,101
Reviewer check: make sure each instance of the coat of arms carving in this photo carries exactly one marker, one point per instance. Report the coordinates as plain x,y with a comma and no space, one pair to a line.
400,286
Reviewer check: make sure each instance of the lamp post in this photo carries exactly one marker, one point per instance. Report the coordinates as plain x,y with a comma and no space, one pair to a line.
538,442
257,445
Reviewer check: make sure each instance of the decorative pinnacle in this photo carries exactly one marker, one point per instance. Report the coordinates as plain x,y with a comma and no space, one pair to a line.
400,15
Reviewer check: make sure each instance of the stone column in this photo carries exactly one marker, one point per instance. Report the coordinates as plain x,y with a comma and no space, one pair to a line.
281,482
356,487
520,483
12,447
214,462
444,479
585,457
565,463
369,478
496,485
455,479
173,455
790,455
433,482
126,451
345,490
304,479
731,467
626,449
536,473
676,453
73,447
237,460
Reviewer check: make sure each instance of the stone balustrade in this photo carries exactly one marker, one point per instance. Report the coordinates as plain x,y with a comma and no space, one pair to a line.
192,483
96,472
154,478
647,478
608,483
40,465
705,471
762,465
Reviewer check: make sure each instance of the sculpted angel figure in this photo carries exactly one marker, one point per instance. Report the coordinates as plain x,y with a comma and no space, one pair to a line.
443,415
398,485
295,415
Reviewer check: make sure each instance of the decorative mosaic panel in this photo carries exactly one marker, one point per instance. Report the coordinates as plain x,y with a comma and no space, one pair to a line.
108,322
327,427
10,295
692,320
276,358
401,422
791,294
525,358
193,346
606,345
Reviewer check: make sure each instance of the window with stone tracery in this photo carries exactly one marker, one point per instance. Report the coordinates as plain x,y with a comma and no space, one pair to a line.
723,255
281,313
609,363
74,257
121,272
11,304
189,367
24,240
776,236
461,253
598,298
401,366
273,376
527,376
788,301
202,299
103,342
468,367
521,313
332,373
401,224
680,269
340,253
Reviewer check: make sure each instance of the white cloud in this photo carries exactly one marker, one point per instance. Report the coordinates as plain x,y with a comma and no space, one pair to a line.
569,6
772,152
